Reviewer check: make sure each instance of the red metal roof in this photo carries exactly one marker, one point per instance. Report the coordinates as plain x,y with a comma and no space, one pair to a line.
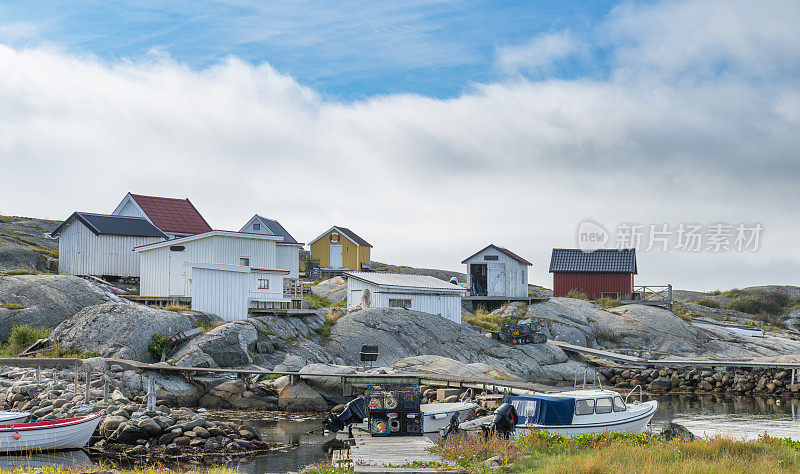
172,214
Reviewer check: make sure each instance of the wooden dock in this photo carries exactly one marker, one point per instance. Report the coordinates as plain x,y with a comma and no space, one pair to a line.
406,454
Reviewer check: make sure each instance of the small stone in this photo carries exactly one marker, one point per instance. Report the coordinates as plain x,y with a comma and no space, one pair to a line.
201,432
167,438
172,449
182,440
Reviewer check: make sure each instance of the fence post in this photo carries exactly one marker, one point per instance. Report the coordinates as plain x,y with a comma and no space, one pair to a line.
88,394
77,387
151,393
105,386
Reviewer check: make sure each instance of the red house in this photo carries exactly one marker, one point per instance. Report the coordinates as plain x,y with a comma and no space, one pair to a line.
601,273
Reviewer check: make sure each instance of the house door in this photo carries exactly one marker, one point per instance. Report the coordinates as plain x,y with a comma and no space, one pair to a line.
336,256
177,273
497,279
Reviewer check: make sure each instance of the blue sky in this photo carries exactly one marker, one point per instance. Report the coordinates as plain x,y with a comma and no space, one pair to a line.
354,50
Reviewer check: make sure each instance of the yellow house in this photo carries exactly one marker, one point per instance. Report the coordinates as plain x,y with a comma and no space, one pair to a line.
340,247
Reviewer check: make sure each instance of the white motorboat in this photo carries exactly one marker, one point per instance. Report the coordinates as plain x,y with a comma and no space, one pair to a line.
437,415
9,417
580,412
70,433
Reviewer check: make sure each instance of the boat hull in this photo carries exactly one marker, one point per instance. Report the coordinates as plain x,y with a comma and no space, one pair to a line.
48,436
637,423
437,415
12,417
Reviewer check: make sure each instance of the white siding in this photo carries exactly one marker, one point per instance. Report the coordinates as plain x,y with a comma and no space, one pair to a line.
228,293
515,273
423,300
288,258
130,208
81,252
155,266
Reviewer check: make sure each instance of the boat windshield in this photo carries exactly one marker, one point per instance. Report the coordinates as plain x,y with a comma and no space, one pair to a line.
619,404
525,408
584,407
602,406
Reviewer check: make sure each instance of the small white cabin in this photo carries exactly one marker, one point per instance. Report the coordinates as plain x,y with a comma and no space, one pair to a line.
102,245
497,272
288,250
415,292
229,291
162,265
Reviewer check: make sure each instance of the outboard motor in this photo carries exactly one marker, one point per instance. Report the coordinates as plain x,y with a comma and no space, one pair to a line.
353,413
504,422
454,420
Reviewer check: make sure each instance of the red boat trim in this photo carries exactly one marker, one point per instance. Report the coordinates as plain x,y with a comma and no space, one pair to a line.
37,425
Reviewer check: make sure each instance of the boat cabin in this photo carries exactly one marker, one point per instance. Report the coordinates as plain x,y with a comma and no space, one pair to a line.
579,407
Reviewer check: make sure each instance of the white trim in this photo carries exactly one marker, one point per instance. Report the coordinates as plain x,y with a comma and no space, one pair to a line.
224,233
233,268
340,233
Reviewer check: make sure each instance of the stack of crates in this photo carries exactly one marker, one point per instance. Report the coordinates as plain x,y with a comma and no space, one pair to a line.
394,411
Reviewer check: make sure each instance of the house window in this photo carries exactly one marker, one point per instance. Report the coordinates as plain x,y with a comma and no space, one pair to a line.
256,226
244,261
398,303
490,258
263,284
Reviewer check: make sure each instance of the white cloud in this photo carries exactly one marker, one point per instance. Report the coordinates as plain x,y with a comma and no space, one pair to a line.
538,55
427,181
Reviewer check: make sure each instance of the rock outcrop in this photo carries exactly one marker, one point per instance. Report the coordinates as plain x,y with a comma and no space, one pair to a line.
42,300
332,291
400,334
123,330
14,259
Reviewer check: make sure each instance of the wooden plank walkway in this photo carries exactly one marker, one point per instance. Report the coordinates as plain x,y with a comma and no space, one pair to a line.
372,454
567,347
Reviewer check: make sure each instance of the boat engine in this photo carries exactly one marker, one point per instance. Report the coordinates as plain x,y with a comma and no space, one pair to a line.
504,422
353,413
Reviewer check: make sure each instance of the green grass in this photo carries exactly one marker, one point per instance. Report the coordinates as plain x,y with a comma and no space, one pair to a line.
23,336
12,306
36,247
575,294
6,219
22,272
158,345
622,452
320,302
606,303
483,319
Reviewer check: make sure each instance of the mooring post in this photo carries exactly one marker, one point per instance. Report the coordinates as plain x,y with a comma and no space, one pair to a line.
105,386
88,394
291,379
38,374
151,393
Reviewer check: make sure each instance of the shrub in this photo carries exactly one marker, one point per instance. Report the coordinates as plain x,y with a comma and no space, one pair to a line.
606,303
708,303
578,295
483,319
759,302
176,308
159,345
22,337
319,302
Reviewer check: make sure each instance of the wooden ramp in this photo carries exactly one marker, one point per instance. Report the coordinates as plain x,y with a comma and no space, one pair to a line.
567,347
406,454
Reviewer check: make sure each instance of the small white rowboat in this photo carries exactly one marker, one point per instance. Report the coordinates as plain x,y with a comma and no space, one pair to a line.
10,417
71,433
437,415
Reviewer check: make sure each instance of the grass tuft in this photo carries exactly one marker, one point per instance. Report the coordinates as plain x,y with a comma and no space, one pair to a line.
578,295
709,303
606,303
483,319
320,302
12,306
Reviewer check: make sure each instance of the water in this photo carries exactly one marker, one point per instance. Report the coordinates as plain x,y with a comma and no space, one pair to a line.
704,415
736,417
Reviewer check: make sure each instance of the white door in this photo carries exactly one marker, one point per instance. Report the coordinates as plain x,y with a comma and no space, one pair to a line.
177,274
336,256
496,279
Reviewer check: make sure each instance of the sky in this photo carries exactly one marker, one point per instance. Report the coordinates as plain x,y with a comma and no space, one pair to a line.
429,128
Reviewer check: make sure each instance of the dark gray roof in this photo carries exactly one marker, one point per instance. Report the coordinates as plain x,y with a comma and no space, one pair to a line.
353,236
277,229
598,261
103,224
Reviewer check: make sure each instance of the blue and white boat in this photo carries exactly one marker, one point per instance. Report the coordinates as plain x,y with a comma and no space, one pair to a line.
580,412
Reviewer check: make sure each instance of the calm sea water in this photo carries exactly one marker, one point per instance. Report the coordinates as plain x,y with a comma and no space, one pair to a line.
704,415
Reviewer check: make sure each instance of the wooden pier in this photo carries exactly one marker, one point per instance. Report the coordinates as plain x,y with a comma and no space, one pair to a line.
406,454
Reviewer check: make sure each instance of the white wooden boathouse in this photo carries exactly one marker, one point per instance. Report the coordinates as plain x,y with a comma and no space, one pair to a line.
102,245
229,291
414,292
163,270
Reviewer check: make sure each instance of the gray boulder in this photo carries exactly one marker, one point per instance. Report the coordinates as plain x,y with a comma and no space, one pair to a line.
228,345
329,387
334,292
123,330
438,365
21,259
400,334
300,398
46,300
